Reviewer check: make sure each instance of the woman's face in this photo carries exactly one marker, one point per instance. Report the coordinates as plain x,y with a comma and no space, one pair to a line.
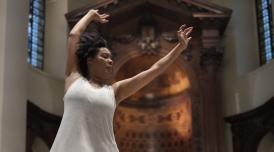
101,66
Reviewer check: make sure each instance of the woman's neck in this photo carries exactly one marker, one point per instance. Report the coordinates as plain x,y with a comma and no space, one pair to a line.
97,82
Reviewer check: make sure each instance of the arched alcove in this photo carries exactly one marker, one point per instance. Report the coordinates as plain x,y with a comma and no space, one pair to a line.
267,143
39,145
253,130
157,118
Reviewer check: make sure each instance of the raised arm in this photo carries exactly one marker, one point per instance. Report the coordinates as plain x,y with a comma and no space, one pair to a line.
127,87
74,37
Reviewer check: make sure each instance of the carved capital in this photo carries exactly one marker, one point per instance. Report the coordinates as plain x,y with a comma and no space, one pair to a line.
212,53
211,57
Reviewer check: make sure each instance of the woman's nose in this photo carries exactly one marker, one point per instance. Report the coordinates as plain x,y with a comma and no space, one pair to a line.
110,62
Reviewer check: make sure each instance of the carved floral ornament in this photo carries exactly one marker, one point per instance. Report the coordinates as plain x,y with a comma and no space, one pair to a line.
148,41
148,35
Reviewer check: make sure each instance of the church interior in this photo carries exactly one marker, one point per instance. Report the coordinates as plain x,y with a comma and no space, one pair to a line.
218,96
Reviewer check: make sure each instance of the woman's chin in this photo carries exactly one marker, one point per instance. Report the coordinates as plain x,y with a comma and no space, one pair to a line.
109,71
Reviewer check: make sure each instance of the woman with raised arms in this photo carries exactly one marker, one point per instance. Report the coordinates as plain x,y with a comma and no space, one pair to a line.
90,97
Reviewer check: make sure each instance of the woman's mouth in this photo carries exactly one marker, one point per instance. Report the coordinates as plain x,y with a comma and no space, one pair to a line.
109,68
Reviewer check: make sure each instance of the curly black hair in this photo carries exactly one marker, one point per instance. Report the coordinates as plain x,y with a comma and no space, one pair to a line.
88,47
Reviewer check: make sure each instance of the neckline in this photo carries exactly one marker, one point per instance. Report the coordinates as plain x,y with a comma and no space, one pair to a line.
104,85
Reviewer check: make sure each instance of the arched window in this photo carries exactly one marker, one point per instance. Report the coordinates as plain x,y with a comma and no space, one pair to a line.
36,28
265,30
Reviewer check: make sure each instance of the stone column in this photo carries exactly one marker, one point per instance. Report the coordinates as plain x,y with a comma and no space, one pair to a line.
210,61
13,66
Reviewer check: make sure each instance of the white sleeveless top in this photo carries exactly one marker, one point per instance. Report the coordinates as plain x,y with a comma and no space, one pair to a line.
87,123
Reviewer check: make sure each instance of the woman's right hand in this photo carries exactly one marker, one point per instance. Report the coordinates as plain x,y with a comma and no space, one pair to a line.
102,18
184,36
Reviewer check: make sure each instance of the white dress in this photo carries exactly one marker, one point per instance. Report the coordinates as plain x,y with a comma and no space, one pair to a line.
87,123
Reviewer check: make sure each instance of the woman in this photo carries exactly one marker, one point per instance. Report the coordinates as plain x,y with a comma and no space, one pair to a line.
90,98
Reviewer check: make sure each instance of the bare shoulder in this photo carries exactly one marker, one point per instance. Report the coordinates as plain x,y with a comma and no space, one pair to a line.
70,79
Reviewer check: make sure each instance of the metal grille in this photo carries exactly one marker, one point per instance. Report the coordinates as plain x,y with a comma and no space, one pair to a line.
36,28
265,31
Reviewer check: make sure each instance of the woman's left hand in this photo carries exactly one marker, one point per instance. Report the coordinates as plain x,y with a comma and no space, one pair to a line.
183,36
102,18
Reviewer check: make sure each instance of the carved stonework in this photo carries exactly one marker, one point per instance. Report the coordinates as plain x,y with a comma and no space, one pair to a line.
166,129
170,36
249,128
211,57
197,121
148,40
212,53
